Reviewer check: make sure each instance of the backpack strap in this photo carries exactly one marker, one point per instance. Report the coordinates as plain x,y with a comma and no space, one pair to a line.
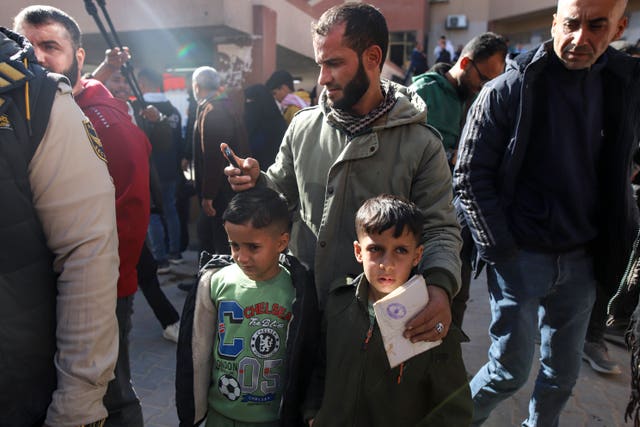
27,92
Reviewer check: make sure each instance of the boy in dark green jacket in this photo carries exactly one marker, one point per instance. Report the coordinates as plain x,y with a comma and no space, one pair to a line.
353,384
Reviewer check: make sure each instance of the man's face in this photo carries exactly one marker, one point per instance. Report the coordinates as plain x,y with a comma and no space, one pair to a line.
54,49
118,86
582,30
387,260
476,73
342,72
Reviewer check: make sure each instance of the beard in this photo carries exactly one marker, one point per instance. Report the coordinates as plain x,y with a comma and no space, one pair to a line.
354,90
72,72
464,90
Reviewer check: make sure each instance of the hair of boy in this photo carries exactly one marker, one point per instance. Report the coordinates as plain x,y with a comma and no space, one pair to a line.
279,78
153,77
383,212
38,15
260,207
484,46
365,26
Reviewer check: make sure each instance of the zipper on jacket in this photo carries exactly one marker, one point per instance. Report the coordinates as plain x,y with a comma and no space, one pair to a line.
400,373
365,344
367,337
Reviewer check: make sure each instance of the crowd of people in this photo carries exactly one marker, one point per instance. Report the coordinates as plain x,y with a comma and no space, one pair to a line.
312,214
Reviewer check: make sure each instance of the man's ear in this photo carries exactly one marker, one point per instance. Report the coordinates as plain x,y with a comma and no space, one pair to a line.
372,57
622,25
553,26
464,63
80,55
357,251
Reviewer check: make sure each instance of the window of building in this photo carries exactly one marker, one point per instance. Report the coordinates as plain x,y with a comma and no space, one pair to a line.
401,44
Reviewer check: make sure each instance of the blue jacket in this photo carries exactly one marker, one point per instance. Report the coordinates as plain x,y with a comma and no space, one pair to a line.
494,143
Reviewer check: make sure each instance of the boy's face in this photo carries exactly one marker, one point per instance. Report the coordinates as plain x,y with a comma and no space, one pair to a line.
256,250
387,260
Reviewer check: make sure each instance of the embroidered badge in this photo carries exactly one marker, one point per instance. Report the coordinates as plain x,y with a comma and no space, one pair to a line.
265,342
94,139
4,122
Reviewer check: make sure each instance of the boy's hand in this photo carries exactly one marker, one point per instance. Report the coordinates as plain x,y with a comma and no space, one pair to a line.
310,422
250,172
424,327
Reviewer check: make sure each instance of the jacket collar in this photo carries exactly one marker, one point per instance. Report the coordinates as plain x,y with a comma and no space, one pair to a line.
621,66
409,108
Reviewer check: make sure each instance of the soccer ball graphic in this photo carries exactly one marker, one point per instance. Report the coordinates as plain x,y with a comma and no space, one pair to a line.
229,387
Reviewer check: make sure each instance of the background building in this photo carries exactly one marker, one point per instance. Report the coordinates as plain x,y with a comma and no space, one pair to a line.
249,39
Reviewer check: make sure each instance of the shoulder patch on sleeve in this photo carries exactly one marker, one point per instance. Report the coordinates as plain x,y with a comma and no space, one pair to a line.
94,140
4,122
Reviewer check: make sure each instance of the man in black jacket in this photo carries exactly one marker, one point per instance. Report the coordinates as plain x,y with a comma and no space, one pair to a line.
543,181
166,139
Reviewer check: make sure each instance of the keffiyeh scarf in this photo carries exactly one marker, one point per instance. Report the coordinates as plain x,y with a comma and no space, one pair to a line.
352,124
632,279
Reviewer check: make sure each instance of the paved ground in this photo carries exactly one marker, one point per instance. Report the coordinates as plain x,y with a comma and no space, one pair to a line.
597,401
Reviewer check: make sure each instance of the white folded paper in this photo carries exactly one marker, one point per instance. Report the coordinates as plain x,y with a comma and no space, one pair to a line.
394,311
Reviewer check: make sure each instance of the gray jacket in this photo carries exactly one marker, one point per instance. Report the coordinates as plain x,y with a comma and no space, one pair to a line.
327,175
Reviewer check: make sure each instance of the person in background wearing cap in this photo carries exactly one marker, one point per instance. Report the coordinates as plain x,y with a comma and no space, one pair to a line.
281,86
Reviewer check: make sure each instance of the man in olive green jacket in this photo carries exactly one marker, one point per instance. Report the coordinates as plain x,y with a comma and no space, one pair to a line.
366,137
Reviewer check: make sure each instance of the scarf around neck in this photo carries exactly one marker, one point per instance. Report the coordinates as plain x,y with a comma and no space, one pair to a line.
353,124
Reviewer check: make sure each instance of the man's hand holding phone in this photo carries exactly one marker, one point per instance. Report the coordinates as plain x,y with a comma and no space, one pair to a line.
241,173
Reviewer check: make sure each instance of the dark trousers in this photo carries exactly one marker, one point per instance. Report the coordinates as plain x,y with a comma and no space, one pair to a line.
148,282
211,234
121,400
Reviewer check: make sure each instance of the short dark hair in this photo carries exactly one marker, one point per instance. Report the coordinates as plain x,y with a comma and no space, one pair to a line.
365,26
380,213
153,77
279,78
43,15
261,207
484,46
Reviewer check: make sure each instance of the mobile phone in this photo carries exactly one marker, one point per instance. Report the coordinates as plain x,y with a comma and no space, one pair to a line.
231,158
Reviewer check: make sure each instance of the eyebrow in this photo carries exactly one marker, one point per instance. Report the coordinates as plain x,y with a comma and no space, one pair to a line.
330,60
50,42
600,20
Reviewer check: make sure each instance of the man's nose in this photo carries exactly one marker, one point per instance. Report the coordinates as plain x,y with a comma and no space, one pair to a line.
39,56
324,76
580,36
